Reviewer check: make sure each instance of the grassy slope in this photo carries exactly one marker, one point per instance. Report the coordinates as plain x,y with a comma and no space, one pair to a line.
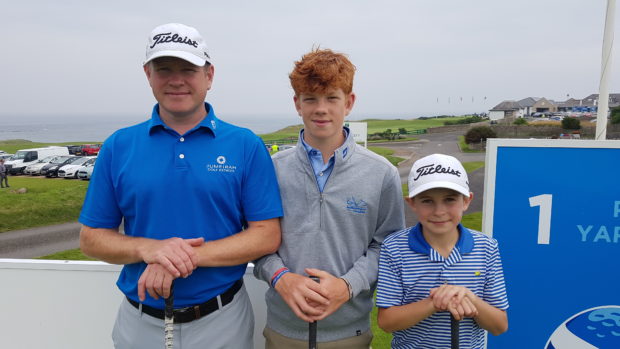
374,125
47,201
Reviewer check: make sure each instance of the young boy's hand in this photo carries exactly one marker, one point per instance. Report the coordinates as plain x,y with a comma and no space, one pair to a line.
462,310
458,300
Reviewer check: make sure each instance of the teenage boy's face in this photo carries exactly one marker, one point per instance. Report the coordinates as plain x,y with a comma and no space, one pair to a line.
323,113
440,210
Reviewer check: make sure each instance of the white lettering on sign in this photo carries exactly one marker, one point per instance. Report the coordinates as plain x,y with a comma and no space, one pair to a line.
603,234
544,217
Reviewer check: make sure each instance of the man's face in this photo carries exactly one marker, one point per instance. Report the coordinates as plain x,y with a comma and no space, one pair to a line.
439,210
179,86
323,113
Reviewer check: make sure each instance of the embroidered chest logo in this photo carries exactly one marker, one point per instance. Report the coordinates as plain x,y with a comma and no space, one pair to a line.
221,165
357,206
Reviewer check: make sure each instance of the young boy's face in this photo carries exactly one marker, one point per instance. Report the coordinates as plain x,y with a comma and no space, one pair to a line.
440,210
323,113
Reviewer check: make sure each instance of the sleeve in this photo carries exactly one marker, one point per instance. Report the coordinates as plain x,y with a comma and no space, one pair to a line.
389,286
266,266
495,287
100,209
260,192
391,218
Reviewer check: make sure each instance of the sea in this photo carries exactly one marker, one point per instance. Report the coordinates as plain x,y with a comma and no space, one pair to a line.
59,130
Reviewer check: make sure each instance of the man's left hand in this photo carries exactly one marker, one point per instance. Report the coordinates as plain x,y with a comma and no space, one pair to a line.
156,280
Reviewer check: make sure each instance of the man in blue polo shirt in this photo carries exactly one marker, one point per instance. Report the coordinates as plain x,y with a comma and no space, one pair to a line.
199,199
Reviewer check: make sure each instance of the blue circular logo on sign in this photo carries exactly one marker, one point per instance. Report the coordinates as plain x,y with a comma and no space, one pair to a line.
593,328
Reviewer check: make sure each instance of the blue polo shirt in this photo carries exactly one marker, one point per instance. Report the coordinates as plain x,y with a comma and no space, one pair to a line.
208,182
409,268
321,170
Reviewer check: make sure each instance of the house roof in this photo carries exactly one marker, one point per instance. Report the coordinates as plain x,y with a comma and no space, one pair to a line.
507,105
614,99
528,102
569,103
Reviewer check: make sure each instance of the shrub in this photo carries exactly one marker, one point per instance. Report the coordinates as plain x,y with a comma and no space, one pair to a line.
479,134
615,115
571,123
520,121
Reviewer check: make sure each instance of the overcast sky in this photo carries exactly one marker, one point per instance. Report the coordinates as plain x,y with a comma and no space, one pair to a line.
84,58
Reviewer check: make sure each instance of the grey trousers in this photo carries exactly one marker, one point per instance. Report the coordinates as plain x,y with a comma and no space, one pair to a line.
229,327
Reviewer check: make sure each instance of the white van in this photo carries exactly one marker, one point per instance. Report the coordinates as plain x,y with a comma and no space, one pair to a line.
25,157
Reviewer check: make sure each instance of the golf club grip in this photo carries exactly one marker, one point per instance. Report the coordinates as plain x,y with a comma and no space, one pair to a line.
312,326
454,332
169,319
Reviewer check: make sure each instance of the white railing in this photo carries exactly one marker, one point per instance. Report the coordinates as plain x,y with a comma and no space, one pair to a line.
73,304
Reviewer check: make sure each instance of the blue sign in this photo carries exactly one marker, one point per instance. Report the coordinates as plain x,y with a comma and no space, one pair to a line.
554,207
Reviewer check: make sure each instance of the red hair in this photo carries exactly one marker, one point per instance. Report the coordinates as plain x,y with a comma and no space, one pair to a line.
321,70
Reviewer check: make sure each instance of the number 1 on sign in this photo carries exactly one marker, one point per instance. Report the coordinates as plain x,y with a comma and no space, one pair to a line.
544,217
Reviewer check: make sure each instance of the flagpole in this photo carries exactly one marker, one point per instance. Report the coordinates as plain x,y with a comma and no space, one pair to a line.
603,94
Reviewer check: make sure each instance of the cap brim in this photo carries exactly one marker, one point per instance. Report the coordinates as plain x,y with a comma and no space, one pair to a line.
439,184
178,54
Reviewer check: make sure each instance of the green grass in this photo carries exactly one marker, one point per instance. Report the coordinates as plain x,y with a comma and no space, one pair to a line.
473,165
291,133
473,221
69,255
378,125
47,201
387,153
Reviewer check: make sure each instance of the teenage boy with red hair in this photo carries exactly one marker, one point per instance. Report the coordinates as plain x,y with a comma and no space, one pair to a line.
340,201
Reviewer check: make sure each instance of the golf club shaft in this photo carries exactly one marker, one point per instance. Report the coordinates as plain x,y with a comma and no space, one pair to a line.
313,325
169,319
454,332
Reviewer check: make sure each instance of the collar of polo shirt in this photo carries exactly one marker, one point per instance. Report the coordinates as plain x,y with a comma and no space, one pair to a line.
418,244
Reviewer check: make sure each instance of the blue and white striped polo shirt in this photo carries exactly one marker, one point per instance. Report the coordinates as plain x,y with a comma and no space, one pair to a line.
409,268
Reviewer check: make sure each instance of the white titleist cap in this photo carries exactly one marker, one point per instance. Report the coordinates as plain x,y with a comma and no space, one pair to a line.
438,171
177,40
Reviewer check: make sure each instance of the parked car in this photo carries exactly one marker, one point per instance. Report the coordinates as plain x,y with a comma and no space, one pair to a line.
35,169
51,169
6,156
73,149
86,172
25,157
70,170
88,149
286,146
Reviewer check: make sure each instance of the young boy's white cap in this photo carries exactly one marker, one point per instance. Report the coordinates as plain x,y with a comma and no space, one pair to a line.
177,40
438,171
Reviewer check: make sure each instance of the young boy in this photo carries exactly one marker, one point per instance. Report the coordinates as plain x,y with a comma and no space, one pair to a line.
340,201
439,267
